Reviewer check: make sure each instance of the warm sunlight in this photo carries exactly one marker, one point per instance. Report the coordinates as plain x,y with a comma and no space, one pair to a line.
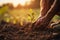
23,2
16,2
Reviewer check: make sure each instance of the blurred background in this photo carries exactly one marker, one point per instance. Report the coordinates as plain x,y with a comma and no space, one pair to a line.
21,11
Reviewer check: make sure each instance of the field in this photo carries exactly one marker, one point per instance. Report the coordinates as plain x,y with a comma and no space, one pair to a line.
21,15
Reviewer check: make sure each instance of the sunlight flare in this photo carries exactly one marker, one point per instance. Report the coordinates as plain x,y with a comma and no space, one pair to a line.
16,2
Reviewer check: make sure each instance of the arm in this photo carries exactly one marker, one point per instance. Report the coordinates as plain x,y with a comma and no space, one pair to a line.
43,22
